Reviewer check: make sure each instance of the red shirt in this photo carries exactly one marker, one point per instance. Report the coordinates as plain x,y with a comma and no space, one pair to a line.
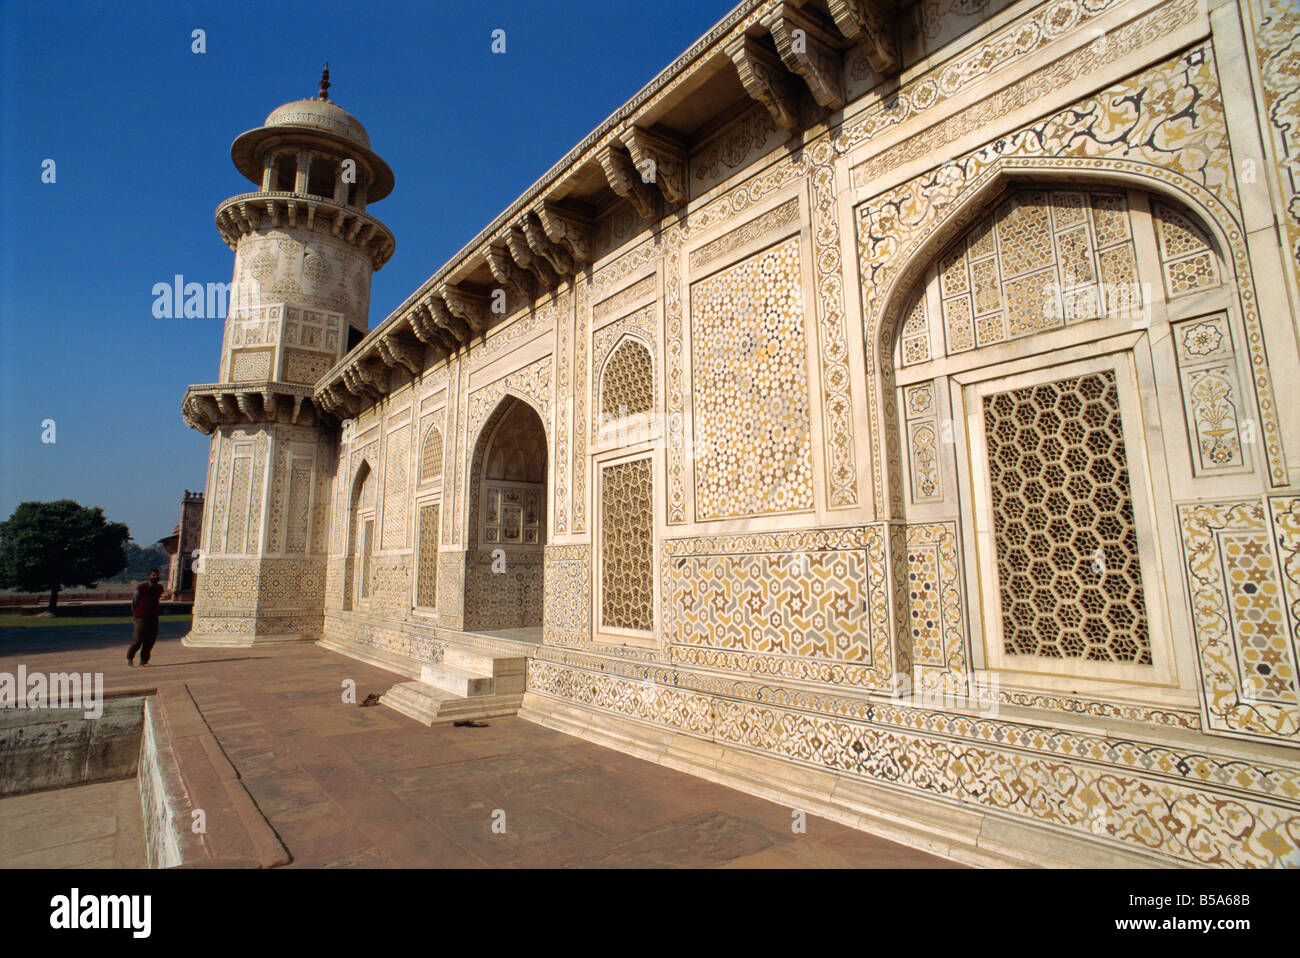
145,604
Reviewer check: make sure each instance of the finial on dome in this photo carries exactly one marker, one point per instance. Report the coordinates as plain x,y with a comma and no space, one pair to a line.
325,83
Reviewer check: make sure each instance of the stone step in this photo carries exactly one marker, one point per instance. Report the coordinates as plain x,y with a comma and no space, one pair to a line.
456,681
432,706
483,663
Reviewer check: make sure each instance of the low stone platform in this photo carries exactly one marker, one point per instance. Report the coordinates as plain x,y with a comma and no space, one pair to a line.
289,773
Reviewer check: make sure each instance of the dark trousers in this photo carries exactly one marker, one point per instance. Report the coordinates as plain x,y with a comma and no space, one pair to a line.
146,634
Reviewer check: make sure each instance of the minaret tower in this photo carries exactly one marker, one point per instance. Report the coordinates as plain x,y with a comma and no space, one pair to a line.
305,248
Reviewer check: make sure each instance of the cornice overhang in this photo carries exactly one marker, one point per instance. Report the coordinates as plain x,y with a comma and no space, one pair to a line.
211,405
247,212
540,242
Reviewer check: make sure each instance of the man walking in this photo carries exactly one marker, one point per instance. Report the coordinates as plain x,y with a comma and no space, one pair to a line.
144,608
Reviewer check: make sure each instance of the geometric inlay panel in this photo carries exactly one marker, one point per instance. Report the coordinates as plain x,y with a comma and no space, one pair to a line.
1040,261
396,467
806,605
426,580
627,546
1243,564
752,424
934,598
568,595
299,500
250,365
306,366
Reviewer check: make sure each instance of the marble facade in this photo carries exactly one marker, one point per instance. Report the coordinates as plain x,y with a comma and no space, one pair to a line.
884,412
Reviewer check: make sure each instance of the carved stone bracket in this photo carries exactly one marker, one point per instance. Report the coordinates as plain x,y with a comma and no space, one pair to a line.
248,408
872,25
444,319
342,402
427,332
505,272
201,413
226,403
517,243
766,80
367,381
394,352
571,229
662,154
556,255
811,53
625,180
467,306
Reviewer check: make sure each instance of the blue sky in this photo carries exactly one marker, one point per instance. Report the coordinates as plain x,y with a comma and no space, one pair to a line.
140,129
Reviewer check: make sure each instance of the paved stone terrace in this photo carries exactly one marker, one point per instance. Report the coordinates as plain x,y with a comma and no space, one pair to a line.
87,826
342,785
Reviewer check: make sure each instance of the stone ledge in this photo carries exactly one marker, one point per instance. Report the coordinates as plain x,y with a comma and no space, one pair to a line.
969,836
235,830
380,658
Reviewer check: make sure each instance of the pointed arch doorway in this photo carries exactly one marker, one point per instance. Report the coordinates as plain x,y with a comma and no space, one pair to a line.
507,524
360,537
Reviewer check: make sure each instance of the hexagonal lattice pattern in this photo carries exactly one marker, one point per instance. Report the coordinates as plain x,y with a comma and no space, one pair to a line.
628,384
1067,549
431,455
627,544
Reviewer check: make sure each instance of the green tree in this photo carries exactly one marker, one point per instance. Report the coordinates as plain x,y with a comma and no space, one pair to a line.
46,546
139,561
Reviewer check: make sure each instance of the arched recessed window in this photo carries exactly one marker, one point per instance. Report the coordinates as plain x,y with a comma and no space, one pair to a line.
361,532
627,384
1026,364
625,533
431,455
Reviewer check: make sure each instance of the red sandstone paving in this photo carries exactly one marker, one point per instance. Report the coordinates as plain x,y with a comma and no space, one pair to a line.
345,786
